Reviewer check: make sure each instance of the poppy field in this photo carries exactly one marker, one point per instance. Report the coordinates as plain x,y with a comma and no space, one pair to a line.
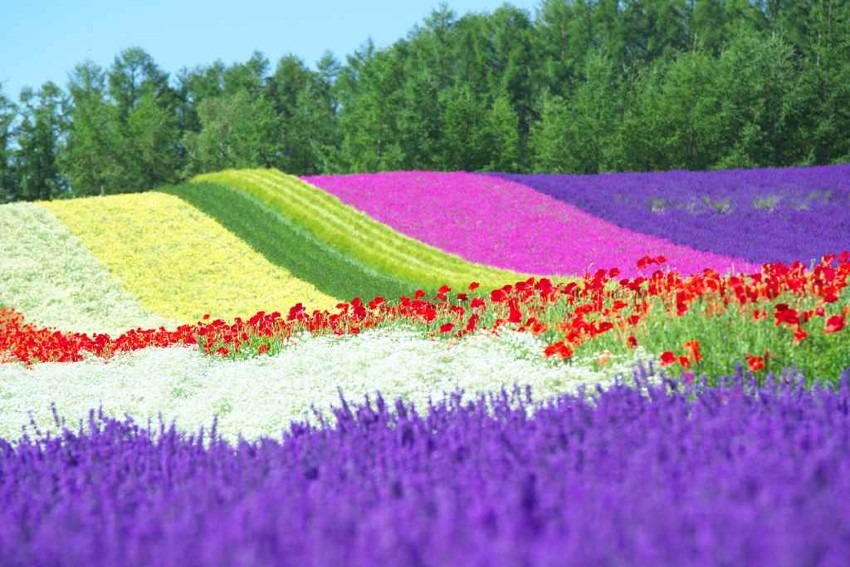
424,367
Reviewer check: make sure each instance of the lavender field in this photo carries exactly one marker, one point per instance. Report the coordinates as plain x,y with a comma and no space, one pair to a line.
760,215
737,474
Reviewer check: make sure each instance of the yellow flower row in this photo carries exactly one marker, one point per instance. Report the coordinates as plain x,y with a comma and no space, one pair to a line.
47,274
179,262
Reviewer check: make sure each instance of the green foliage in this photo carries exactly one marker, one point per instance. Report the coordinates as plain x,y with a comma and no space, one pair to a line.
579,86
287,244
549,142
236,131
123,127
39,139
726,335
8,114
89,159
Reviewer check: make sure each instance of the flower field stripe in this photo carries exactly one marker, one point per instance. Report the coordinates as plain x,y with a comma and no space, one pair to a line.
497,222
262,396
668,474
179,262
49,275
357,235
370,241
762,215
286,244
782,316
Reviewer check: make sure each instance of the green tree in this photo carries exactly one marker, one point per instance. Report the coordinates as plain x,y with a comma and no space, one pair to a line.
237,130
39,140
581,134
709,28
8,114
549,141
152,140
90,161
677,117
564,35
501,136
193,86
463,122
513,62
763,101
825,79
370,95
146,146
305,105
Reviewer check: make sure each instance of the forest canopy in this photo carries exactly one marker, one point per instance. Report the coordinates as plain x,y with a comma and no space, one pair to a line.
579,86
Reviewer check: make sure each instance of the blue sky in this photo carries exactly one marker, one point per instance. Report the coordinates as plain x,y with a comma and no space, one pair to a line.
43,40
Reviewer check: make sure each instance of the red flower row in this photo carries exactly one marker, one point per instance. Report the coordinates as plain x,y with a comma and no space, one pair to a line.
592,306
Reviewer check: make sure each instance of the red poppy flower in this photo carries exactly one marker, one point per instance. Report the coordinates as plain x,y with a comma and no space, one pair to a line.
558,349
755,363
667,358
787,315
447,327
693,346
799,335
473,286
497,295
834,324
631,342
645,261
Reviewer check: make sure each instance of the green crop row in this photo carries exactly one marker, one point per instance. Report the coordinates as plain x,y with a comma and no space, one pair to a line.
358,236
284,242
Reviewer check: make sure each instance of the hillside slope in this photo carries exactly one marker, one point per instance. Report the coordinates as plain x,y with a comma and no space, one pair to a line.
358,236
502,223
178,262
49,274
287,244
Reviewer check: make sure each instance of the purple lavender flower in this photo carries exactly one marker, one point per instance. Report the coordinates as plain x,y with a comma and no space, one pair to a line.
761,215
679,474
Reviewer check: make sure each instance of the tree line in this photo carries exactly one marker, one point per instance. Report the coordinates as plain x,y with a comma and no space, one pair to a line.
579,86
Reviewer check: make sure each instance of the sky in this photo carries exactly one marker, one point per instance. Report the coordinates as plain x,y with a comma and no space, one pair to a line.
42,40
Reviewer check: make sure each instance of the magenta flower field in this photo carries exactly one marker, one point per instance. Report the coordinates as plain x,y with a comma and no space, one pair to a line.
509,225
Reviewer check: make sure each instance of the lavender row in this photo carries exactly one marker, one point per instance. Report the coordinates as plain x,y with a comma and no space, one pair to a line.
761,215
735,474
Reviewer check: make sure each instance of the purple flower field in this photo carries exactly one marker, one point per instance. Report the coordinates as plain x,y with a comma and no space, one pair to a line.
508,225
762,215
730,475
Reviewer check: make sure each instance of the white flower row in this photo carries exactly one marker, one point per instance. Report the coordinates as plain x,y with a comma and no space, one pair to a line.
262,395
47,274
